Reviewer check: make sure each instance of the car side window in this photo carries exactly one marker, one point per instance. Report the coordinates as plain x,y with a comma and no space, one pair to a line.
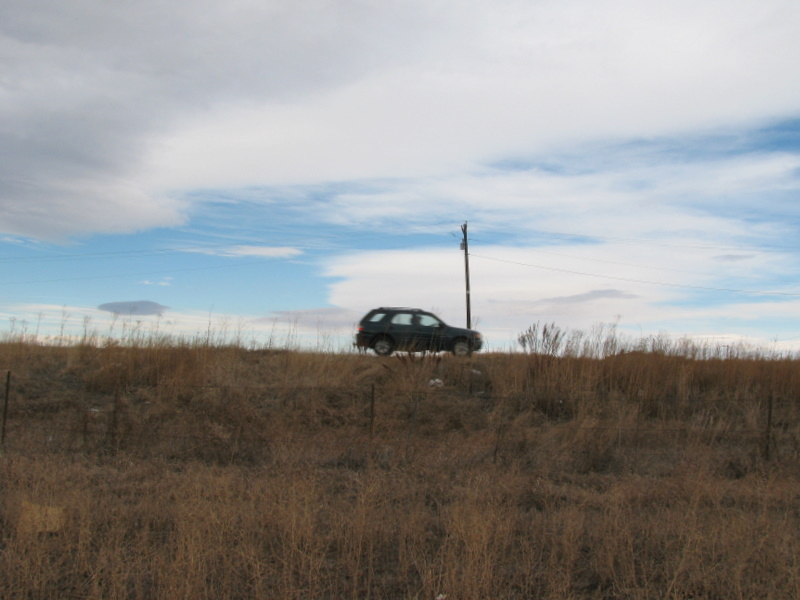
401,319
377,317
428,321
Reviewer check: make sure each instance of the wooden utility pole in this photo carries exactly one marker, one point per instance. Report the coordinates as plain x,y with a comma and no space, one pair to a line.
465,248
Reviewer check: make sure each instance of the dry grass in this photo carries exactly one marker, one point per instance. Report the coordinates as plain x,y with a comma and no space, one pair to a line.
164,470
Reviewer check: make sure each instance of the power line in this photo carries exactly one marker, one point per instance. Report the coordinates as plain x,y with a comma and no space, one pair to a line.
201,249
331,238
141,274
632,241
624,264
662,283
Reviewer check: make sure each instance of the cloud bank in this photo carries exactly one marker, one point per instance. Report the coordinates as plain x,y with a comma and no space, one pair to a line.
110,112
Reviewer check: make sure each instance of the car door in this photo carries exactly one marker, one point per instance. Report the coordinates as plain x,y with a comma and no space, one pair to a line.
400,329
430,331
409,333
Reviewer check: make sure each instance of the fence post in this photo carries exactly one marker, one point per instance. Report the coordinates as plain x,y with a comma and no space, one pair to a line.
636,437
5,408
501,428
411,423
768,433
372,412
85,429
114,418
498,438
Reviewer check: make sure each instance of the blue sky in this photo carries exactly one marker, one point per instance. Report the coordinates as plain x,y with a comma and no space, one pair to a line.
275,169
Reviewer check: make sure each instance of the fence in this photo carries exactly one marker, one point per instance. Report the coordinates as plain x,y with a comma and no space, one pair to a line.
208,426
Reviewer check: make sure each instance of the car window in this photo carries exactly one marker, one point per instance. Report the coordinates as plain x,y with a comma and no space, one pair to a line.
377,317
428,321
401,319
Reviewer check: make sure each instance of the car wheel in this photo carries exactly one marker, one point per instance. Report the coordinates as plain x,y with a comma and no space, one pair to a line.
461,348
383,347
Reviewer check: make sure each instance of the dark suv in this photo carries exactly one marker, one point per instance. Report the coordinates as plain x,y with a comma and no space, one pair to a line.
413,330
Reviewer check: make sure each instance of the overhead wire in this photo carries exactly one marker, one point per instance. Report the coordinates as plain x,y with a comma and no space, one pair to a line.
142,274
364,236
631,280
625,264
647,242
200,248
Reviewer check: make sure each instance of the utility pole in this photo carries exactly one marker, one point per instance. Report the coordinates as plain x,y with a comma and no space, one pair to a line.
465,248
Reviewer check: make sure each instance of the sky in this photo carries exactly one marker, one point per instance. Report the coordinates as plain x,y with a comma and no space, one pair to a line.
268,171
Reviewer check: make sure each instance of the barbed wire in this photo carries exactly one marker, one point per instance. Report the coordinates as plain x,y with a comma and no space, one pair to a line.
431,388
105,420
170,433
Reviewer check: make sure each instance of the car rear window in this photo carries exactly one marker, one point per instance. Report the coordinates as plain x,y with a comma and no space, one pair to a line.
377,317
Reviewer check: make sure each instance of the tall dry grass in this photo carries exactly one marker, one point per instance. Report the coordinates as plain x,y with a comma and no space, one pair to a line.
200,470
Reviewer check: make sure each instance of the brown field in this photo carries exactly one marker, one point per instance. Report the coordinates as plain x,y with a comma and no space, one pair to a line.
188,470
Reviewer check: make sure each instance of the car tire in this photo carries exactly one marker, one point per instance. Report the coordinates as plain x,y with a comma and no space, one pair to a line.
383,346
461,348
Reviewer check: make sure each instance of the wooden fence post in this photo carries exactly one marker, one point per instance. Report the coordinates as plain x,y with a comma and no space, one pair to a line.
411,423
636,435
372,412
114,422
498,438
5,408
768,433
501,428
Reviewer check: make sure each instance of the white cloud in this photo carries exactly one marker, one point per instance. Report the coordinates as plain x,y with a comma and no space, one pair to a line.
323,319
605,193
164,282
86,89
109,111
242,250
517,78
